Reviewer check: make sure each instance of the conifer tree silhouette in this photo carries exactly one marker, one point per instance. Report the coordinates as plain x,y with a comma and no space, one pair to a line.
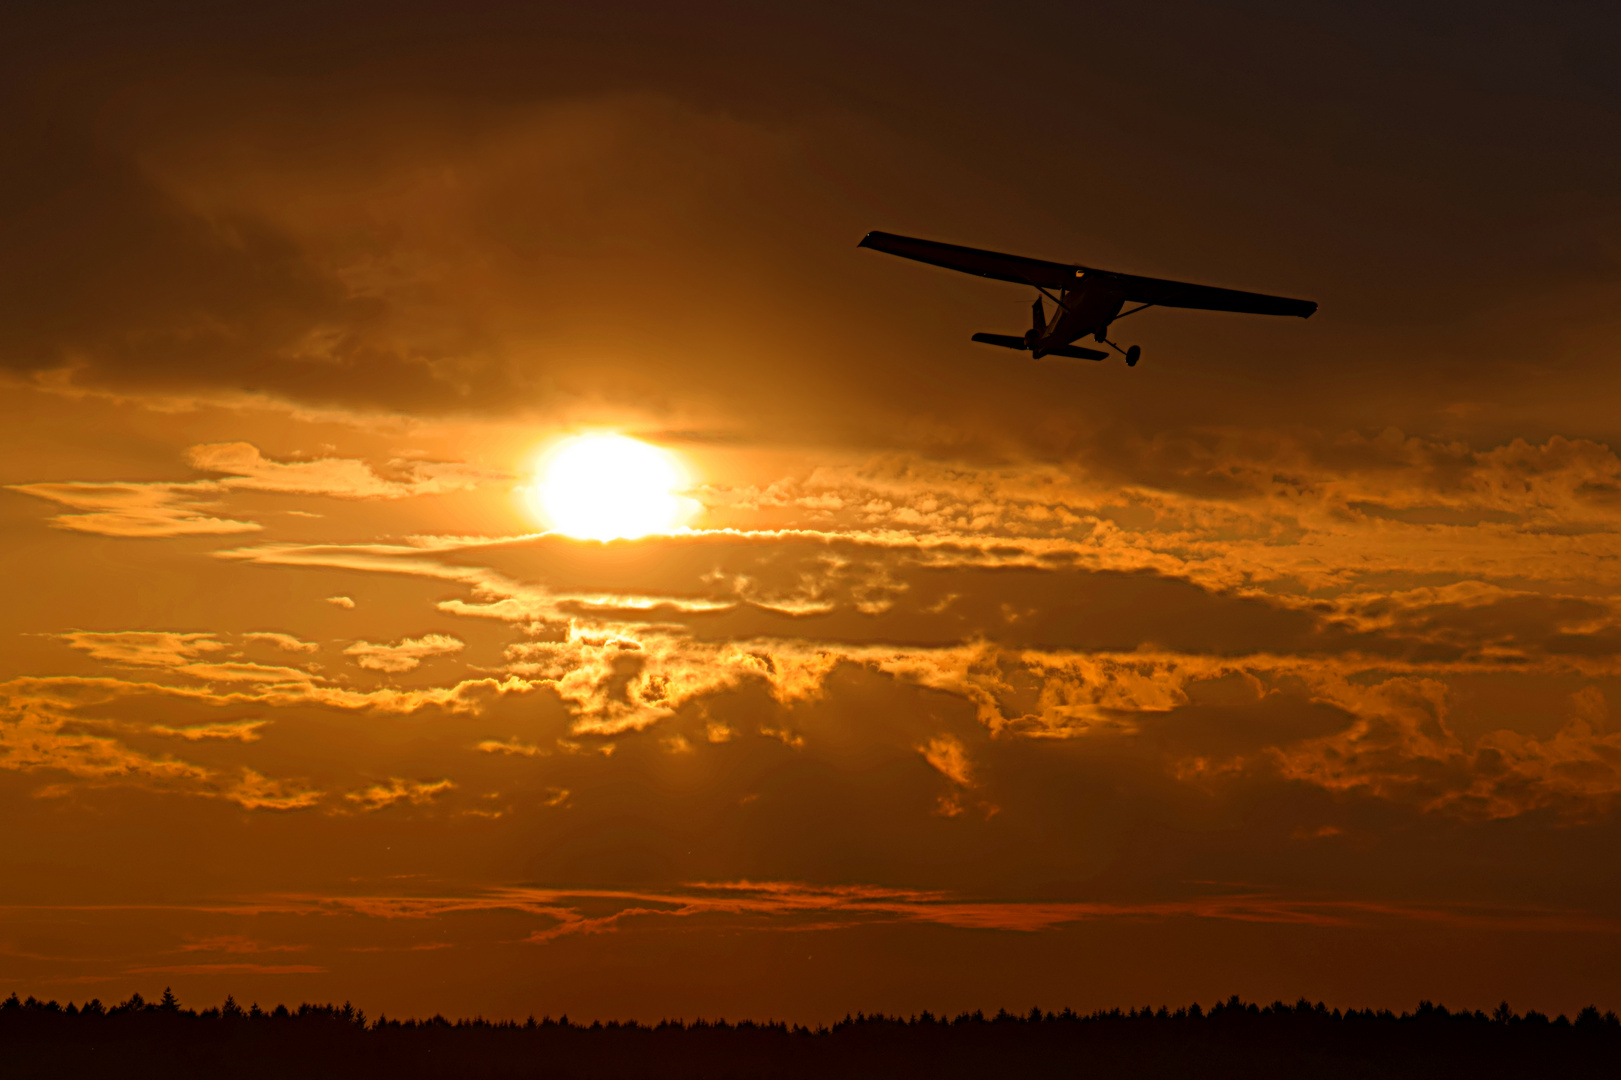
1233,1040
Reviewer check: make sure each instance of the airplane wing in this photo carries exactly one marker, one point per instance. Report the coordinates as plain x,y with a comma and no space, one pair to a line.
1053,275
991,264
1181,294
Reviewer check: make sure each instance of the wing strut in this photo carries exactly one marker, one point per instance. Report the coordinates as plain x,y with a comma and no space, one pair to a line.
1061,305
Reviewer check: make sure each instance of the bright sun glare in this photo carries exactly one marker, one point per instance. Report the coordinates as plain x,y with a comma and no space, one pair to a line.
609,487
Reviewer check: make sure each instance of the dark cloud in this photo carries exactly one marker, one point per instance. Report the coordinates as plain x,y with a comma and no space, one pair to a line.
1031,608
526,209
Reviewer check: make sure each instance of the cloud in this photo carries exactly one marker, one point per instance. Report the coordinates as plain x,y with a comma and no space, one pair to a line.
1230,508
1092,628
207,287
395,791
511,747
36,740
403,655
247,469
1401,747
144,648
55,724
183,653
40,731
466,697
261,269
341,601
237,730
138,510
236,943
623,674
256,792
166,509
228,969
949,758
284,642
783,904
1041,648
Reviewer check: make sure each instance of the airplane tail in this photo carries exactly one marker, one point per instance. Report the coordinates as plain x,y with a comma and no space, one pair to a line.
1006,341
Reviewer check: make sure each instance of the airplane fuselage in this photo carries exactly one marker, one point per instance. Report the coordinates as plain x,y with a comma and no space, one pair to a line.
1085,308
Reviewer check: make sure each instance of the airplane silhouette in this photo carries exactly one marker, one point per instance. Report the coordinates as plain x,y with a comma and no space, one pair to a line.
1088,299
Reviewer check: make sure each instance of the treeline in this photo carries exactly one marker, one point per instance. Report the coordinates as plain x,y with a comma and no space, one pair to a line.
140,1039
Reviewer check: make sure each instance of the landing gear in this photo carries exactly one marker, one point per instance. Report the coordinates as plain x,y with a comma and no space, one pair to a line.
1132,354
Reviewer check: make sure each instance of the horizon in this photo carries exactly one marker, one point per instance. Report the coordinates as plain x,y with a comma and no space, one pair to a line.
349,1013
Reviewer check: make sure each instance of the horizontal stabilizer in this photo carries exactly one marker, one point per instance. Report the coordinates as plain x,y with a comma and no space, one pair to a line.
1075,352
1007,341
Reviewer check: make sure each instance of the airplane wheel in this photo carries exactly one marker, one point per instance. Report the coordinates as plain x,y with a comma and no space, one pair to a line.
1132,354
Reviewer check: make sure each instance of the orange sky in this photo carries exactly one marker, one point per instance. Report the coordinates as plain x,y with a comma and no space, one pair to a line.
1282,664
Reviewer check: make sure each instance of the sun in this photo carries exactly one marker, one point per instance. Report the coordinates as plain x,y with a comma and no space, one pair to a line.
610,487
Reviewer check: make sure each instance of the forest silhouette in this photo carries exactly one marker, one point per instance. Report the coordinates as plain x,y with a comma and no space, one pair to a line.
140,1039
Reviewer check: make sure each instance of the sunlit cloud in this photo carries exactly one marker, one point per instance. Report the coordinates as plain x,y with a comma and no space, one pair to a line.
139,510
395,791
948,757
247,469
237,730
284,642
236,943
511,747
403,655
781,904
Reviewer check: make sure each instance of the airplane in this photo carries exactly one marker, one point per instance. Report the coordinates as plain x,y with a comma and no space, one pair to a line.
1088,299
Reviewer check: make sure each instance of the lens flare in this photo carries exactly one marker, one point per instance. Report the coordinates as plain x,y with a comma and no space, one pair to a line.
610,487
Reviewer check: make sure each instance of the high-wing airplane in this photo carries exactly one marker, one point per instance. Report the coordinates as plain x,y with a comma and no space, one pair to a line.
1088,299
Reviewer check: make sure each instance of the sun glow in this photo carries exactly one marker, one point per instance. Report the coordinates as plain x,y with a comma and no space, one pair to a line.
610,487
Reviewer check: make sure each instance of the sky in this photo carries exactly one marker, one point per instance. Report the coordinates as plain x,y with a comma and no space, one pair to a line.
1283,664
